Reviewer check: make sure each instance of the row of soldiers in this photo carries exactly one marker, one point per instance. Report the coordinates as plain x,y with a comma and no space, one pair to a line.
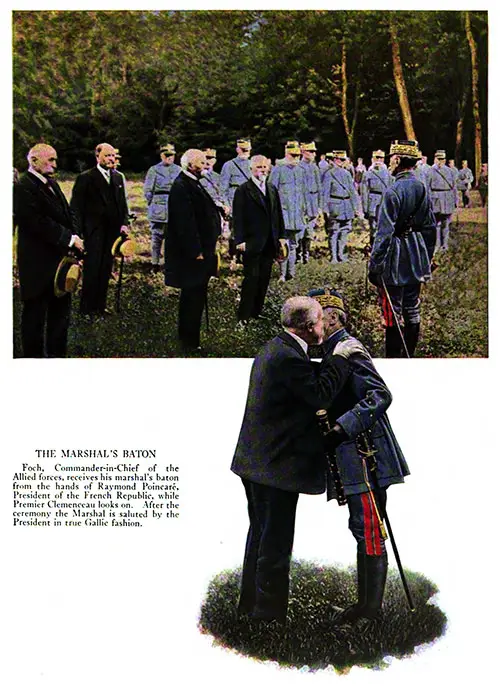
313,196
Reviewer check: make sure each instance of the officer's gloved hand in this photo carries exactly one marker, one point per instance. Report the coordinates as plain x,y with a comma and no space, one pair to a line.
350,347
375,279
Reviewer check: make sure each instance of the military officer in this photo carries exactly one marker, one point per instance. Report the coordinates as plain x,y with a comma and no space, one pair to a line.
359,421
464,182
329,164
373,186
233,174
290,181
157,185
443,190
313,199
359,170
323,164
422,170
402,251
341,204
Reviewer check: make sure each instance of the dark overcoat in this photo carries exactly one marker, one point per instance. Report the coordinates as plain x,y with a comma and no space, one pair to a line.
45,226
193,228
255,216
361,409
280,444
99,207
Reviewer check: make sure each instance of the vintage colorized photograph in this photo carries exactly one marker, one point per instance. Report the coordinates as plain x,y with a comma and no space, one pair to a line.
178,174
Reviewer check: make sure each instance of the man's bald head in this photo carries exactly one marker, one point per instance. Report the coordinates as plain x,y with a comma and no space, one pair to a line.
42,158
105,155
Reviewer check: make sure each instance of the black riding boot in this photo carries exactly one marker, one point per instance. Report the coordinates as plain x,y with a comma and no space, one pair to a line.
306,246
393,344
372,575
411,332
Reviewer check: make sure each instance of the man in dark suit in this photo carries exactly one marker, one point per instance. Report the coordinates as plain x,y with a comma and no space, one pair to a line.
100,205
258,227
360,425
46,231
280,452
190,260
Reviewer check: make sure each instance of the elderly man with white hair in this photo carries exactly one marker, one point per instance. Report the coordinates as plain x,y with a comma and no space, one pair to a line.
190,259
46,231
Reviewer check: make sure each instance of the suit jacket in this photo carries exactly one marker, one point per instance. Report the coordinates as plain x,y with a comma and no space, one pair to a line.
280,443
99,206
360,409
193,227
256,215
45,226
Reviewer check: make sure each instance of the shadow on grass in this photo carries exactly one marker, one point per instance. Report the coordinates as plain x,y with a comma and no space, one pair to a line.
309,639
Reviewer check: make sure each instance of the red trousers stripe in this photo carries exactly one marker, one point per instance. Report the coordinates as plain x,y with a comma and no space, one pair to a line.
372,530
386,308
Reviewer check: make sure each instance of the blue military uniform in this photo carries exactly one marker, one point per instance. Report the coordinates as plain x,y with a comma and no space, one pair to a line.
373,186
157,185
464,181
402,252
422,171
233,174
340,202
361,424
290,181
444,199
313,199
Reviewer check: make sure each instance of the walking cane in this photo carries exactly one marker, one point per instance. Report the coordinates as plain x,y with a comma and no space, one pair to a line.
119,285
395,318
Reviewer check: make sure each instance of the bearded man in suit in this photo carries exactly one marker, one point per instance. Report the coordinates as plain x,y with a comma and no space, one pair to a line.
100,205
46,232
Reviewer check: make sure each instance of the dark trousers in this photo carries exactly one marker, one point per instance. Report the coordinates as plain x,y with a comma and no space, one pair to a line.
45,311
364,524
191,305
256,275
97,268
406,303
268,551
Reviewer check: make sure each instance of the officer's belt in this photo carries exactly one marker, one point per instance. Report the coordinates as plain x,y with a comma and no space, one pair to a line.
443,190
340,197
375,192
234,185
161,192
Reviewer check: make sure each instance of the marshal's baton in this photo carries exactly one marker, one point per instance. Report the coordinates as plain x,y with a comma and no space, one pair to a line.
395,318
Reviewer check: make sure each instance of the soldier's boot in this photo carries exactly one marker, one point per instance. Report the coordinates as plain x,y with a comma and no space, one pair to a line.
393,344
332,244
445,232
306,246
372,576
411,335
299,249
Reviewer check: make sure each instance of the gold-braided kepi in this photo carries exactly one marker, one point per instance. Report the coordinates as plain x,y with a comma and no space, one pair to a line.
340,154
328,297
405,149
308,147
168,149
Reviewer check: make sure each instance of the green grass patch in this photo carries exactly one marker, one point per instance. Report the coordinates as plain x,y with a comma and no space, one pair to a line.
309,640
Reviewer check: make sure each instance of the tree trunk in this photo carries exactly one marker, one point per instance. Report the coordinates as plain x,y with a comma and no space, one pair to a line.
475,94
399,80
460,125
349,128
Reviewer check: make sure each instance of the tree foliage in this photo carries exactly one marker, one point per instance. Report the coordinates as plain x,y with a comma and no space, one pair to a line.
199,78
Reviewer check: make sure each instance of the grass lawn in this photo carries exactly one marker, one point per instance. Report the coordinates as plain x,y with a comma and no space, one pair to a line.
454,304
309,639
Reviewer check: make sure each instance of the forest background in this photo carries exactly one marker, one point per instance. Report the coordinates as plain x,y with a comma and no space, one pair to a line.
346,79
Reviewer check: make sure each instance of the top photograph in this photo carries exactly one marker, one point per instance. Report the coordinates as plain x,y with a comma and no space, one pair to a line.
178,175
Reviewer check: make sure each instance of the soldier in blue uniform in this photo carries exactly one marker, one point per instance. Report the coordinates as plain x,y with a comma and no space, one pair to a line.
422,170
323,164
464,182
314,211
373,186
290,181
341,204
233,174
402,251
329,164
157,185
359,422
444,198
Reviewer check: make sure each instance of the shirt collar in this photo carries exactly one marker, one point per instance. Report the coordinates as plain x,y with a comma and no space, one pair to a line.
191,176
43,179
299,340
105,172
260,183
